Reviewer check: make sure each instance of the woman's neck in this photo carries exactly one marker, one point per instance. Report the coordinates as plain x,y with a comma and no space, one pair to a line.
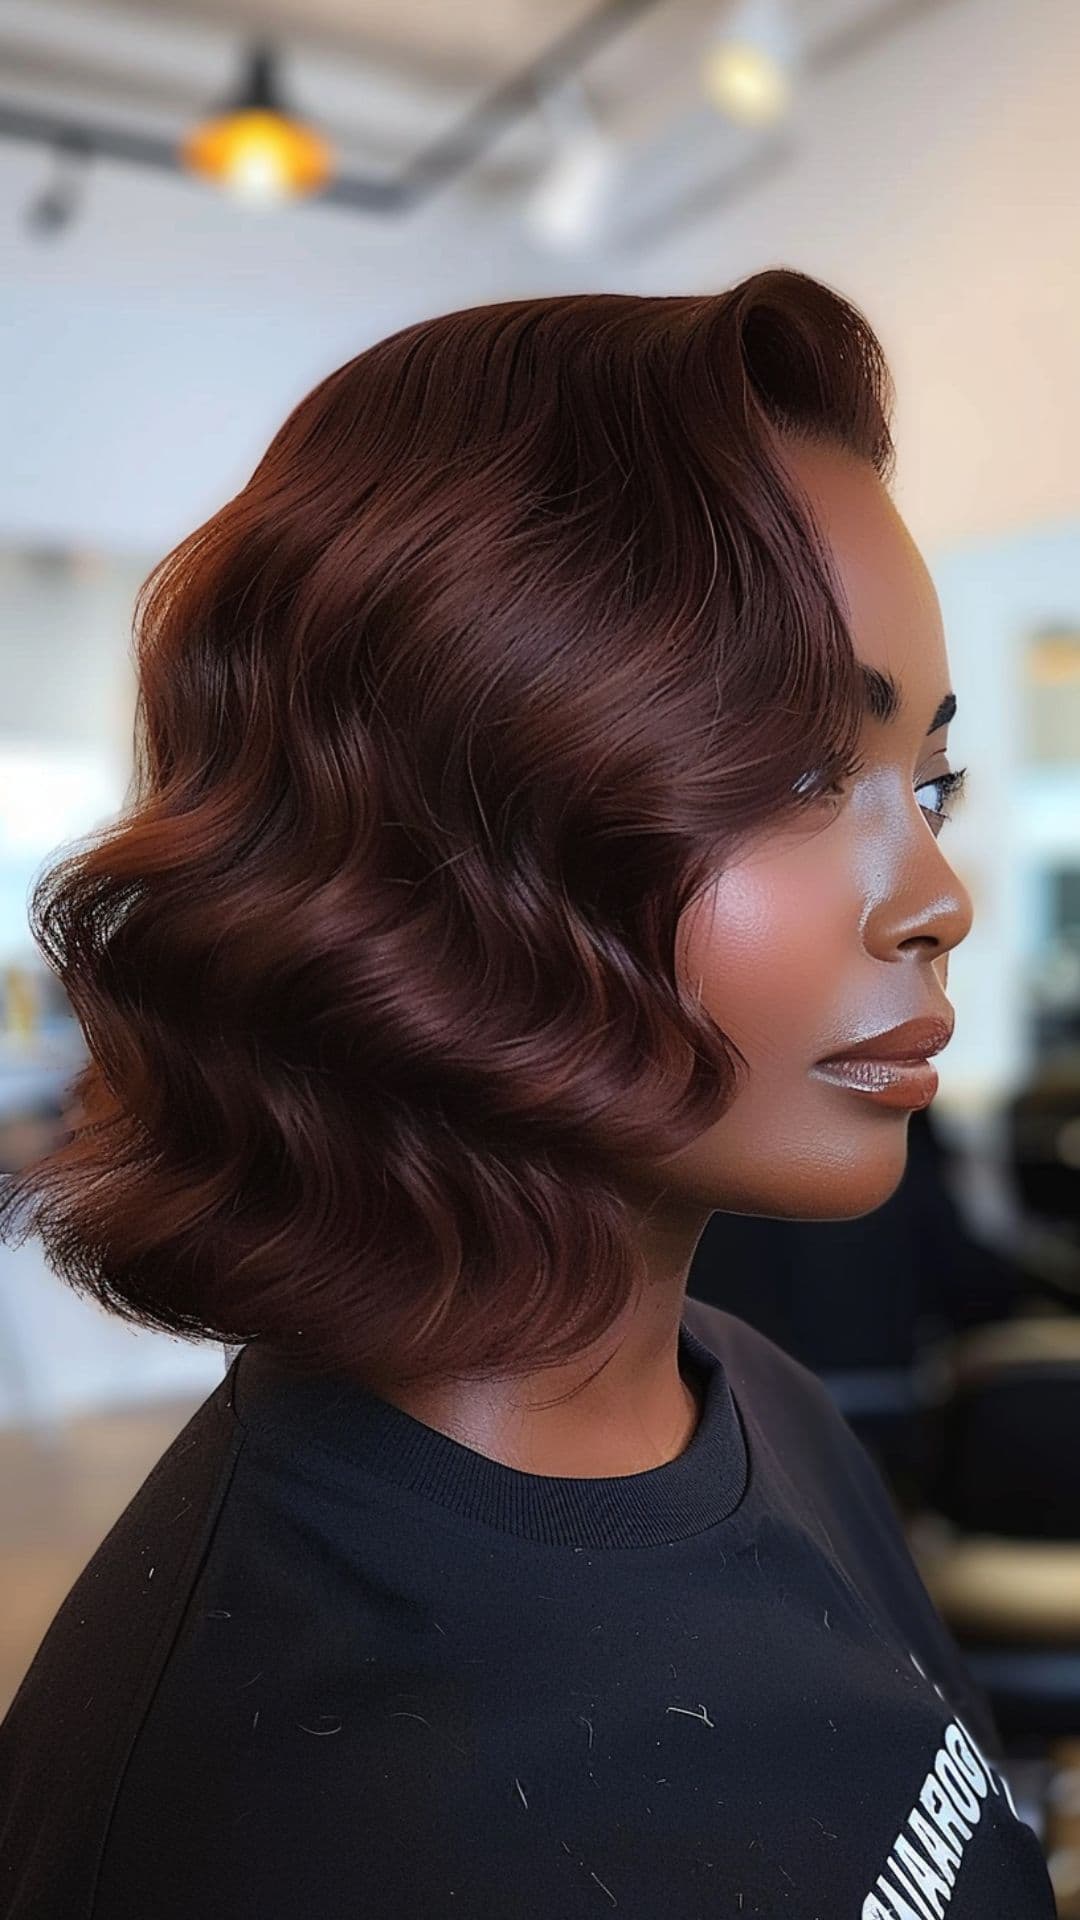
639,1412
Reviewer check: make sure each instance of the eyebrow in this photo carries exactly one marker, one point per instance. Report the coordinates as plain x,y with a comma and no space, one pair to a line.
884,700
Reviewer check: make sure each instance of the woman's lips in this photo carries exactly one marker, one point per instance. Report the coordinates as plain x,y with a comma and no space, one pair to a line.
907,1084
893,1067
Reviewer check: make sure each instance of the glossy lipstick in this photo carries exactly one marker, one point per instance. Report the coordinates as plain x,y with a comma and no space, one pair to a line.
892,1068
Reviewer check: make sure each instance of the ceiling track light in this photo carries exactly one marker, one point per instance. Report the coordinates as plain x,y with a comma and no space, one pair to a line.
565,209
61,199
749,69
429,170
451,154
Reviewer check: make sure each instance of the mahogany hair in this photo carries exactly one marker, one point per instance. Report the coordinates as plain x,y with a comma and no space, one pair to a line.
515,634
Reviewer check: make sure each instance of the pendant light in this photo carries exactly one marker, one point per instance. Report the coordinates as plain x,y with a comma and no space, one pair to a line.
255,146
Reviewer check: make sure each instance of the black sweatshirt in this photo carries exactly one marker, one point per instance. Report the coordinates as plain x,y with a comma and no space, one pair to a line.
332,1663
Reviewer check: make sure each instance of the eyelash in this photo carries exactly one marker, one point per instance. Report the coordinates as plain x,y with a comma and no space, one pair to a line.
952,787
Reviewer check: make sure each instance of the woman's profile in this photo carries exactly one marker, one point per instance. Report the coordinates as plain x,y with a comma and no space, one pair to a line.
535,848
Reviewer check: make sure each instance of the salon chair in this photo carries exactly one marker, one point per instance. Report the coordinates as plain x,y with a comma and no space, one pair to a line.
1042,1126
999,1548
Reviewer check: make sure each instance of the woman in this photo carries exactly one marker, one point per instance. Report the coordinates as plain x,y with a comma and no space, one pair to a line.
543,762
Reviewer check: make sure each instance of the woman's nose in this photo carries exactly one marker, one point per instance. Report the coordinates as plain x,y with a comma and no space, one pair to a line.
929,910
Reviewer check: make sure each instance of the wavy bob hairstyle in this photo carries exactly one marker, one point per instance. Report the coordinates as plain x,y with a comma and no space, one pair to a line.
518,631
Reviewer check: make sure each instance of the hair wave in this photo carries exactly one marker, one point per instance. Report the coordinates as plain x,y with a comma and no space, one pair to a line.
518,629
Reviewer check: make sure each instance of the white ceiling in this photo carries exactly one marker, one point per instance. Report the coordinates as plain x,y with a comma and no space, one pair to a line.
150,350
381,78
428,45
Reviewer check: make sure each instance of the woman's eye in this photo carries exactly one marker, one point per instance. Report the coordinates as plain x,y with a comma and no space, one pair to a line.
948,788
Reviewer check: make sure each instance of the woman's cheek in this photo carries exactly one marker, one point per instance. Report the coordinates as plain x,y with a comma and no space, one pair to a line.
767,949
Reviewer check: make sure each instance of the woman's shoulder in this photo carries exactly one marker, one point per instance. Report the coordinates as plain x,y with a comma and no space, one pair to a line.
756,1365
787,1407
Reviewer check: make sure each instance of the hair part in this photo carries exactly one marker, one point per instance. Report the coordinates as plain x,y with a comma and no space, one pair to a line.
517,632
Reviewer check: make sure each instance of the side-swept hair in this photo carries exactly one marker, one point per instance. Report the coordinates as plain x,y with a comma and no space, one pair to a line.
518,631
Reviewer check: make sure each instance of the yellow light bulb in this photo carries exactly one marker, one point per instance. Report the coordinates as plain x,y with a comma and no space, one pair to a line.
259,155
747,83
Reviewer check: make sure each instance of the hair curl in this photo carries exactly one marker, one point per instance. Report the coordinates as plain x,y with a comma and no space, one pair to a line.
516,632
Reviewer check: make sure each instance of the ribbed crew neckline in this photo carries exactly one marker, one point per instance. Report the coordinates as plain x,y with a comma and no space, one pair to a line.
367,1435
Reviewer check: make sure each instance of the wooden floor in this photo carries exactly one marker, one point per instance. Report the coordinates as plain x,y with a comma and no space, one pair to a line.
58,1499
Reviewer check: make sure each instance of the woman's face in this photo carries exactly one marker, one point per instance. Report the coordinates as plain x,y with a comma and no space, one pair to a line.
840,926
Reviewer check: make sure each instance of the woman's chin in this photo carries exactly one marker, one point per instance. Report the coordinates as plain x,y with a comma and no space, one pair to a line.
850,1180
